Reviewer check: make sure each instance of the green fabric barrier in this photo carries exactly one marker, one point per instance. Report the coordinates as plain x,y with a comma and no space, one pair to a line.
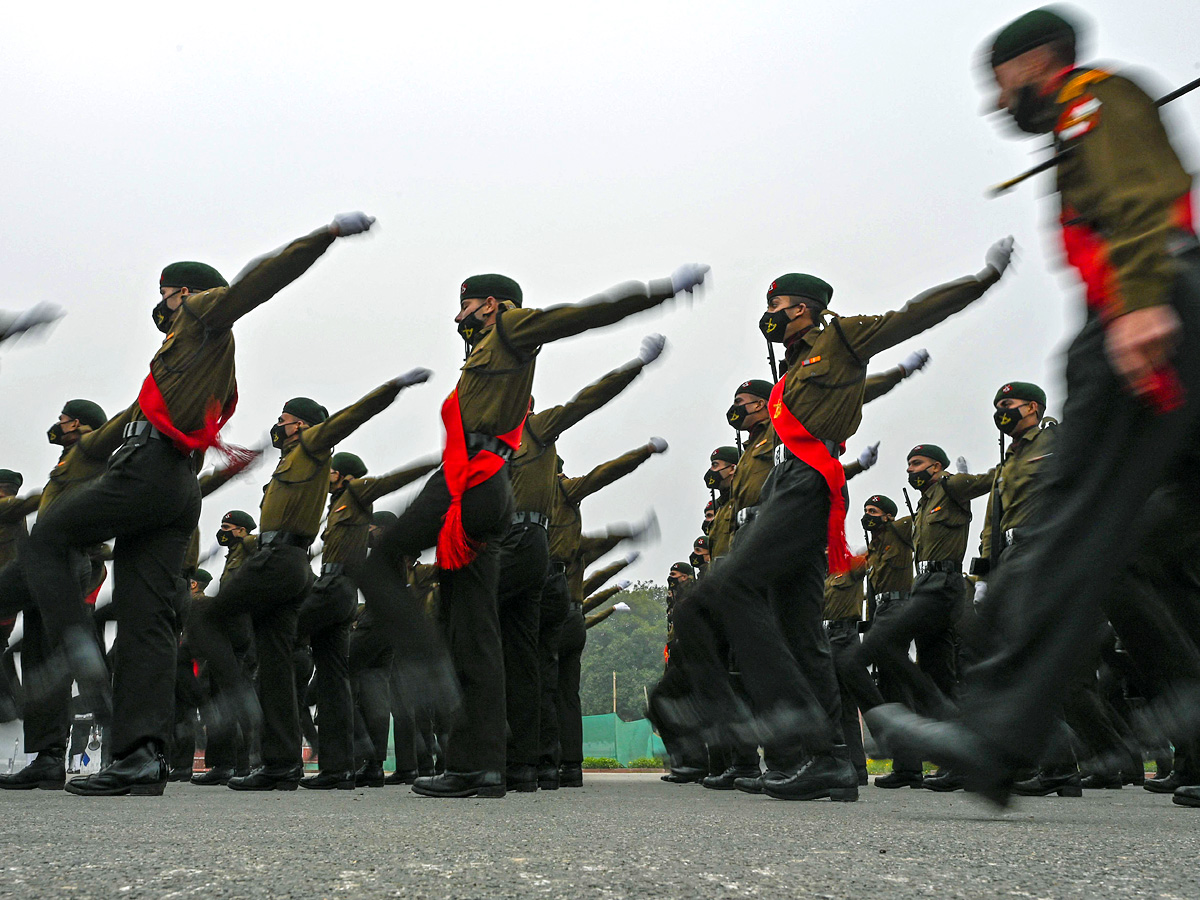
610,736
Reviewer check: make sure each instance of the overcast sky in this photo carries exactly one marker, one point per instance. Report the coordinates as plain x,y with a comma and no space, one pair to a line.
570,146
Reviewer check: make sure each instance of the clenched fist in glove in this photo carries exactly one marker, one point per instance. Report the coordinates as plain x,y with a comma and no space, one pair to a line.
914,362
657,445
869,456
346,224
652,348
688,277
411,377
998,257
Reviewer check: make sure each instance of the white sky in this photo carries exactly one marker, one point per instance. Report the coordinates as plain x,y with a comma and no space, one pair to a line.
571,146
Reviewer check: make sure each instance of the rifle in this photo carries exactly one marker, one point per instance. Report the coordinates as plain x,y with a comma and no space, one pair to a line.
1005,186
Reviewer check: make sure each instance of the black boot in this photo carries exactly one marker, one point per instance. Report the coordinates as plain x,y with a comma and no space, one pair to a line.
900,780
1188,795
570,776
827,775
329,781
684,775
522,779
143,772
1065,784
180,774
944,781
462,784
1102,780
269,778
370,775
217,775
401,776
46,773
547,777
726,781
1171,783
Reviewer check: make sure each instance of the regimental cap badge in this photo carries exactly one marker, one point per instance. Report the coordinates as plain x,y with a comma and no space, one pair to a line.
462,290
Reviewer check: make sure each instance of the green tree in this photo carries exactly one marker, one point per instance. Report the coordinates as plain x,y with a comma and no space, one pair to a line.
630,644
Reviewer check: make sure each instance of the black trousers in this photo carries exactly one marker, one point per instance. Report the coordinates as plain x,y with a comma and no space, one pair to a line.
268,587
524,566
477,739
844,642
778,563
325,616
1113,454
555,604
572,638
927,617
149,500
370,672
682,748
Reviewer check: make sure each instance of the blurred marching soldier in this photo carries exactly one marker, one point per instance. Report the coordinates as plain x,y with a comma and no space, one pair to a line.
844,600
599,577
1130,420
687,758
525,558
794,701
148,499
467,506
188,696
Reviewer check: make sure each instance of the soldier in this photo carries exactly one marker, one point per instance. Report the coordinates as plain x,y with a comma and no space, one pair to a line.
815,408
722,466
700,556
188,696
710,513
148,499
525,559
844,601
87,439
1130,420
330,605
687,758
467,506
272,584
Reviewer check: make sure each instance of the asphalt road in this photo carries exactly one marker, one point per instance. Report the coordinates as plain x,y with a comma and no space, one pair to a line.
620,836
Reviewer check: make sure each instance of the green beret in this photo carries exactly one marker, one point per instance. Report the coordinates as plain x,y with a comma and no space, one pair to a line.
683,568
306,410
480,287
709,506
348,465
8,476
1021,390
931,451
757,387
725,454
201,577
887,504
239,519
384,517
195,276
810,287
701,543
1034,29
87,412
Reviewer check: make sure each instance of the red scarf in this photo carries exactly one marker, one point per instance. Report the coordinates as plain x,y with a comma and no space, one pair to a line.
154,407
814,453
454,548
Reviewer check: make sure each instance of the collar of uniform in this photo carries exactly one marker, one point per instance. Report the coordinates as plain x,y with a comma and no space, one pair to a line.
796,347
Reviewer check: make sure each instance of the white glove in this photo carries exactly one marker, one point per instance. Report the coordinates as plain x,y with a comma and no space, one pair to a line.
411,377
658,445
869,456
998,256
960,465
622,584
632,556
688,277
652,348
914,362
980,592
646,531
346,224
41,314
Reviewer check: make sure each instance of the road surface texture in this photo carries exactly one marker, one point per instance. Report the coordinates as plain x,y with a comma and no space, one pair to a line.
623,835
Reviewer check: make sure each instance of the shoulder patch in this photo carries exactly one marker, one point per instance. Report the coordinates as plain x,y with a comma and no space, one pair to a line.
1079,118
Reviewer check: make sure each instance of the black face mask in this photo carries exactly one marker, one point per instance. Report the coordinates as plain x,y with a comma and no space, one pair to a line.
674,581
773,325
469,327
706,526
920,480
335,490
1007,419
162,315
279,435
55,433
227,538
1035,113
736,416
871,523
712,480
697,560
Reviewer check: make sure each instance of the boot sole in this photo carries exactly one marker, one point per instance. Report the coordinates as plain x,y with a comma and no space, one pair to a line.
837,795
547,785
1186,801
135,790
1062,792
484,793
523,787
35,786
279,786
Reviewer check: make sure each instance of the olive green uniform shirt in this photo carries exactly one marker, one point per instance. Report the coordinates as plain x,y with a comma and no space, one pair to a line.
826,377
238,553
13,511
295,495
195,364
890,558
844,595
720,537
599,599
348,524
591,548
535,465
1018,482
944,516
496,379
566,526
86,459
600,576
753,467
